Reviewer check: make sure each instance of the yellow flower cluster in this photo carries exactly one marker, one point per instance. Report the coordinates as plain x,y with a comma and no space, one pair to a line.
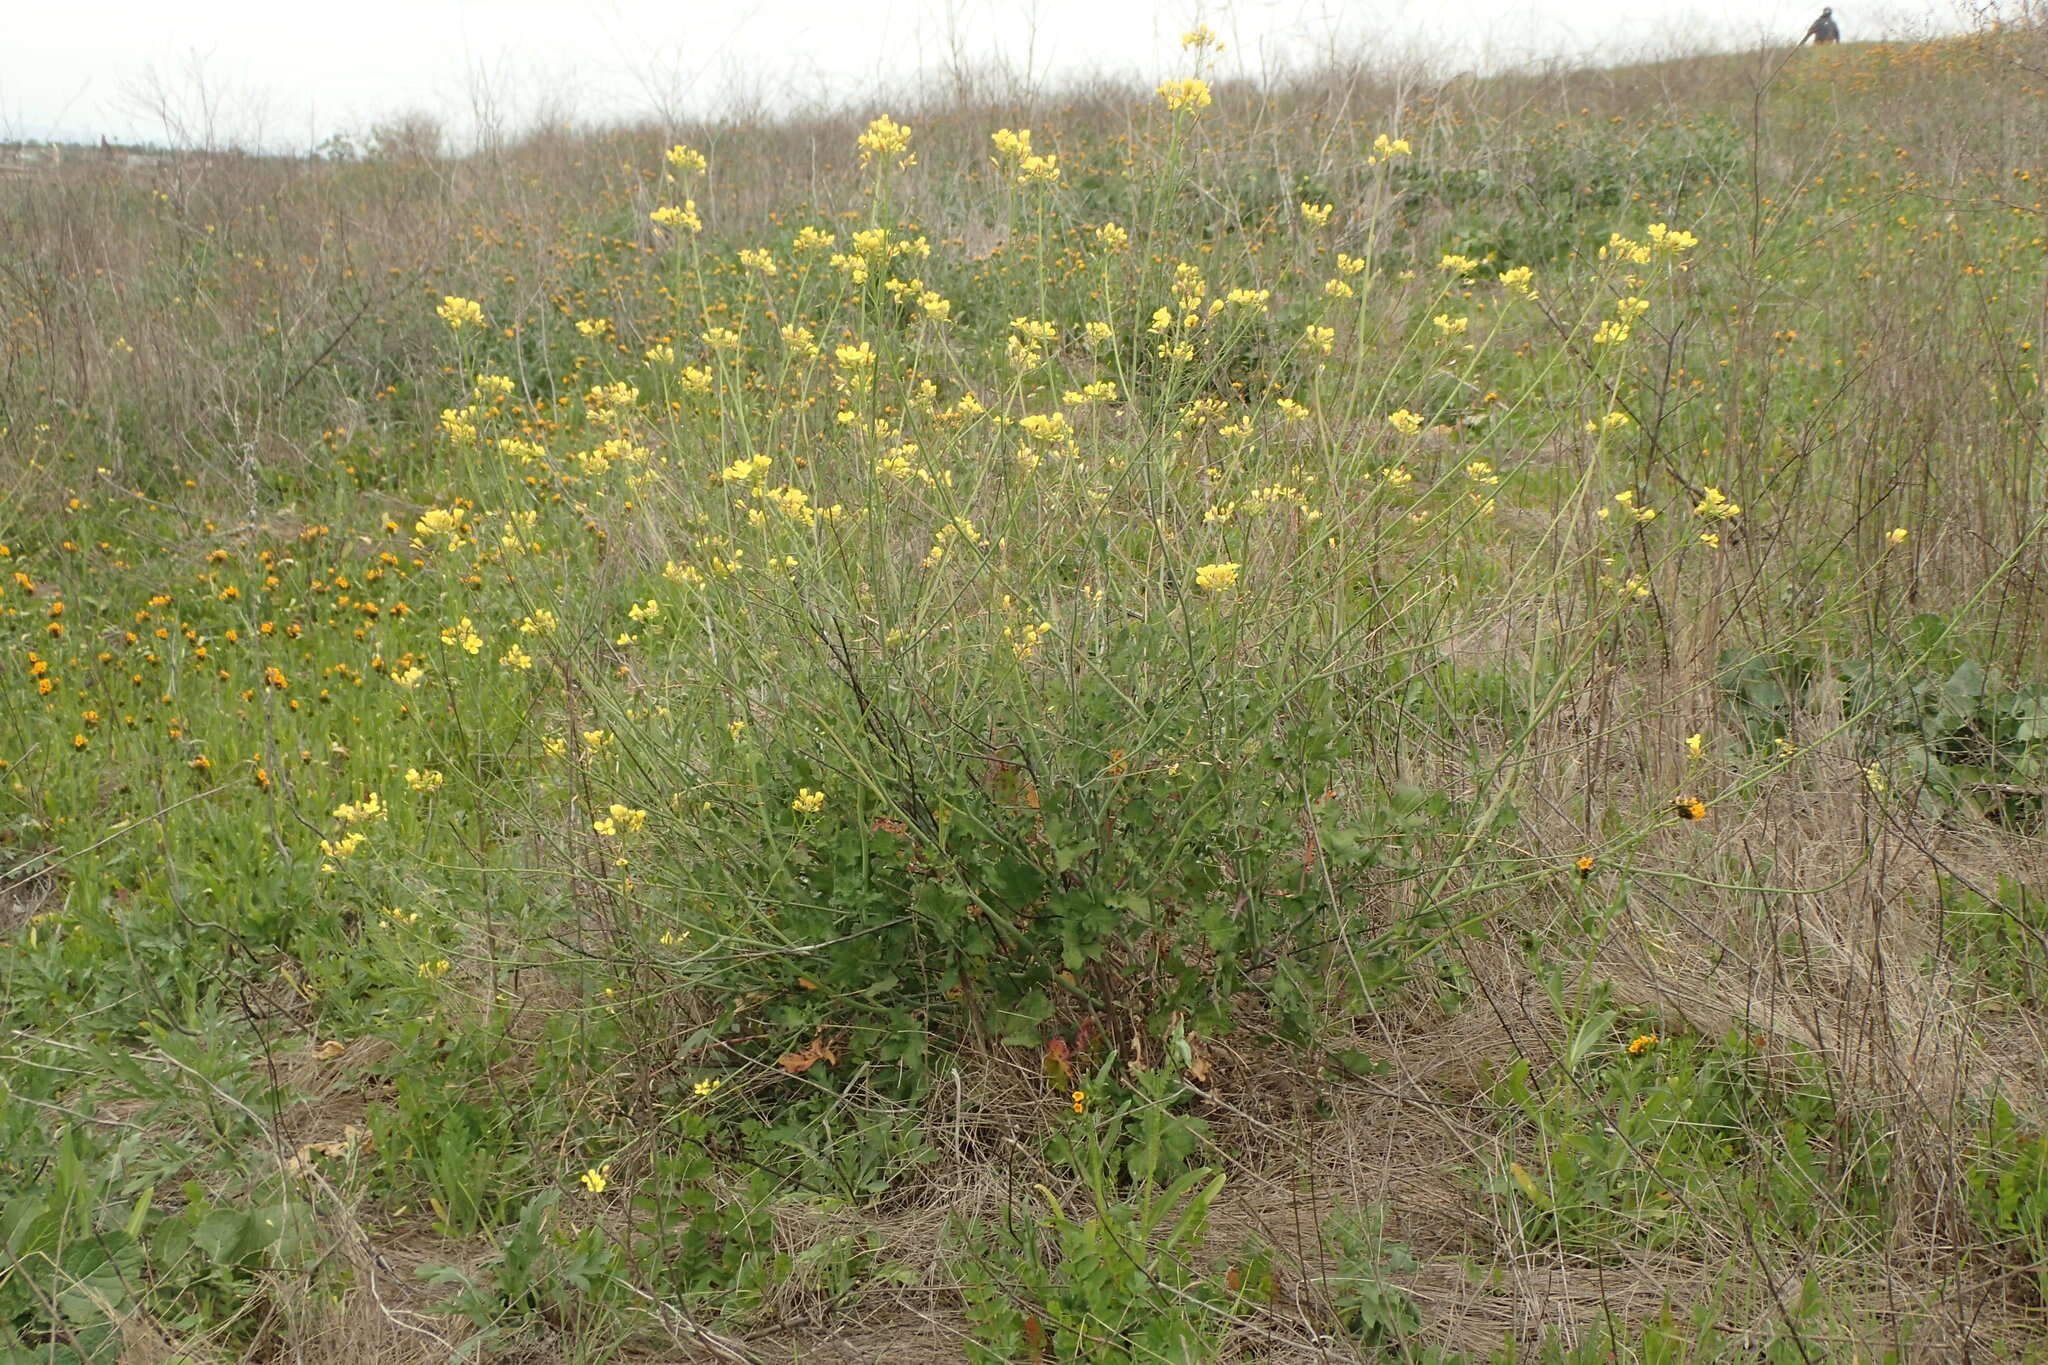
1014,154
620,821
885,138
462,635
459,312
1187,95
371,807
682,217
1715,506
1385,148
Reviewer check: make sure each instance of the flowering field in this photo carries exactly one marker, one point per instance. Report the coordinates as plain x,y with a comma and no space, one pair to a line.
1376,721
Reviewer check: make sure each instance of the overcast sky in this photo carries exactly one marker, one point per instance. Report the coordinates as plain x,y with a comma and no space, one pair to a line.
290,74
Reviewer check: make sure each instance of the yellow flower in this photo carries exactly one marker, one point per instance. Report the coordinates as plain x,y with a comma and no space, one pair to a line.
1627,249
1520,279
341,848
1216,577
436,521
371,807
425,780
807,802
1201,35
885,137
459,312
1317,215
1044,426
462,634
1012,146
1190,94
1695,745
685,160
1025,640
1895,536
458,425
1714,506
1385,148
1404,421
596,1178
672,216
1321,338
705,1088
810,239
1038,170
1451,326
1670,239
1110,237
1456,264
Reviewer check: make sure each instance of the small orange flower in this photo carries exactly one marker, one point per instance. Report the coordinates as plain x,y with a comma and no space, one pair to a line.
1641,1043
1585,866
1080,1101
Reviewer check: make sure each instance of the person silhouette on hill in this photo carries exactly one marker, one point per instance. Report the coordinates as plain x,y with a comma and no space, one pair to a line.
1824,30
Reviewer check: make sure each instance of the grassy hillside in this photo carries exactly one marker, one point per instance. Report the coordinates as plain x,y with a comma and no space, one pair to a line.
1380,721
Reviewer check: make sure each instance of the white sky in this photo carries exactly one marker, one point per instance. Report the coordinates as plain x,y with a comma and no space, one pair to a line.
289,73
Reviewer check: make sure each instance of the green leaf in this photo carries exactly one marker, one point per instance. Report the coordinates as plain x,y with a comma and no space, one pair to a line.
1018,1025
224,1235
